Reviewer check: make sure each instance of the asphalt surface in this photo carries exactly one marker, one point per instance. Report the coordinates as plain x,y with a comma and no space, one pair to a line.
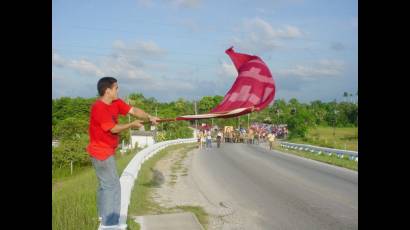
272,190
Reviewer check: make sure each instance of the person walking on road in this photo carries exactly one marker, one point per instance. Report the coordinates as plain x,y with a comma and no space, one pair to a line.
271,140
199,137
208,139
218,138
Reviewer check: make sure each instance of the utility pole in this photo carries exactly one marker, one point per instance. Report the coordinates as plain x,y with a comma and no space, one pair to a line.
153,128
196,112
248,119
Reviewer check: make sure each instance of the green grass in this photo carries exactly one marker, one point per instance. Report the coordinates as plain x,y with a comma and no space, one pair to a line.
74,198
333,159
132,225
141,202
345,138
178,168
60,174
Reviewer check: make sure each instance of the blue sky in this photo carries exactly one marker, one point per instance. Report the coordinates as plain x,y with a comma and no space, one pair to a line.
170,49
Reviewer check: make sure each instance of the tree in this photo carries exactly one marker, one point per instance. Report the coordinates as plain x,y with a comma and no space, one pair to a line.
294,102
71,107
206,104
217,99
71,150
181,106
317,109
137,100
297,126
70,128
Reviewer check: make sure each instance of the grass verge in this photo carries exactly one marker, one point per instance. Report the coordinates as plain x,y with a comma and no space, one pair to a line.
344,162
344,138
74,198
141,202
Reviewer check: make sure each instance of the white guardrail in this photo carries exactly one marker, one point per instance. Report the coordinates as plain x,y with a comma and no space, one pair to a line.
353,155
130,174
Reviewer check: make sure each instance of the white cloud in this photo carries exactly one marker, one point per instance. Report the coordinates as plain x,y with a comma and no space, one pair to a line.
125,62
321,68
149,48
263,28
124,68
82,66
137,48
260,36
227,70
164,85
85,67
121,65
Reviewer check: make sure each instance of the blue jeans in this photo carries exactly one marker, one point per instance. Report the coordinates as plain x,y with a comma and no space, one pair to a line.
208,143
109,190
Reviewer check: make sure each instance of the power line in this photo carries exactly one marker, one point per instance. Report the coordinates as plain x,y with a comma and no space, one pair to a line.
219,31
136,49
147,34
166,60
155,60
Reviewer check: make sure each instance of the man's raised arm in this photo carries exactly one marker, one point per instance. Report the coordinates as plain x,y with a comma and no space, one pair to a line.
120,127
143,115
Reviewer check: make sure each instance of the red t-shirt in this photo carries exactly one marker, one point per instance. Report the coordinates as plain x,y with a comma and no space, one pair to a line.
104,117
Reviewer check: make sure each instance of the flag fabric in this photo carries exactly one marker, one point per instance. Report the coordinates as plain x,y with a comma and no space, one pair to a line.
253,89
254,86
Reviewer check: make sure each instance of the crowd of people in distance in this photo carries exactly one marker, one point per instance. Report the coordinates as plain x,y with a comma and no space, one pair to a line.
257,133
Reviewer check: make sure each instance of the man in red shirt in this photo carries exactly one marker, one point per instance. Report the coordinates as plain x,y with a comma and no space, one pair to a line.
104,138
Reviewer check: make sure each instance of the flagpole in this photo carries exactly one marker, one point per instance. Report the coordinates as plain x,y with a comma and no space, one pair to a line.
129,121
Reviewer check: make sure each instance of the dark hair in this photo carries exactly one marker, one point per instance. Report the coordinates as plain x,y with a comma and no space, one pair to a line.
104,83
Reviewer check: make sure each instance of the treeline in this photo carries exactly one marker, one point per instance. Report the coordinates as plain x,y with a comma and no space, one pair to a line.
70,119
299,116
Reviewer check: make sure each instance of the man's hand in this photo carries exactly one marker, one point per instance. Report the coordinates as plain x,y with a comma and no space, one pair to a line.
153,120
143,115
136,124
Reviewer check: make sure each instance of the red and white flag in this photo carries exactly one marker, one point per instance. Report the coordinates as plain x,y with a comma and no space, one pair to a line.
253,89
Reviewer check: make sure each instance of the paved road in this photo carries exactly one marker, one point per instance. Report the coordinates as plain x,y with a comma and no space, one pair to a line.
272,190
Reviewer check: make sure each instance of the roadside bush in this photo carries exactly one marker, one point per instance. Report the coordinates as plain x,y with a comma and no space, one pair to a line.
73,149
